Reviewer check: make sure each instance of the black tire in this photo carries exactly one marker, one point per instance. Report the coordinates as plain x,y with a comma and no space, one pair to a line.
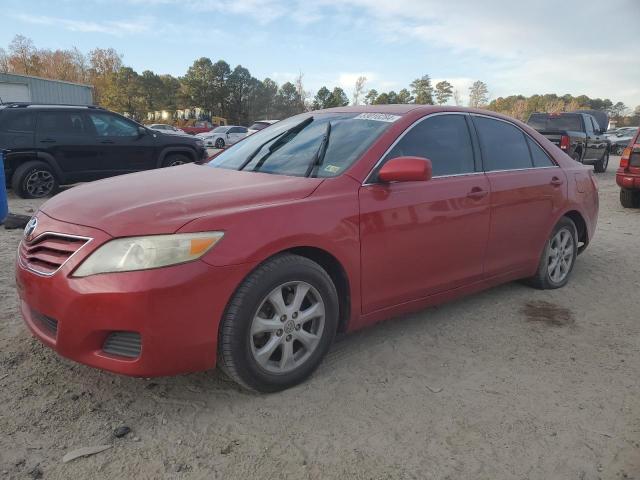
542,279
576,156
629,198
175,159
235,355
26,184
219,143
601,165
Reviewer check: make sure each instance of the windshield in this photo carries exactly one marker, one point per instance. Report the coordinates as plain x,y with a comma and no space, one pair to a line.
289,147
541,121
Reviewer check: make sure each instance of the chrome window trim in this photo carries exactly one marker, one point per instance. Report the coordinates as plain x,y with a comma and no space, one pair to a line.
407,130
524,133
88,240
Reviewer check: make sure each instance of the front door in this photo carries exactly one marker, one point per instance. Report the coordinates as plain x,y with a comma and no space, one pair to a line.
421,238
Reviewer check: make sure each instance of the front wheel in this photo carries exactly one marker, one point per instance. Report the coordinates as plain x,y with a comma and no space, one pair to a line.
602,164
558,257
219,143
279,324
34,180
175,159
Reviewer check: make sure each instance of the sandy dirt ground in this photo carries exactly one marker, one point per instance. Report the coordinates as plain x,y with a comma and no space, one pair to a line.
512,383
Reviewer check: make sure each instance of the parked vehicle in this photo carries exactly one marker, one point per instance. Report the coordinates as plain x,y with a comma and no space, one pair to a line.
52,145
169,129
260,125
223,136
326,222
621,139
628,175
203,127
577,134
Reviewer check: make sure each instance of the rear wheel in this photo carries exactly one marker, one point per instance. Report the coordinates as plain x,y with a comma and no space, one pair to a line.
629,198
279,324
34,180
558,257
602,164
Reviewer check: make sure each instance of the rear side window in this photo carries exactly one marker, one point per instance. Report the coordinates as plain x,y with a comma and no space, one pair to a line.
538,155
503,145
69,123
21,121
443,139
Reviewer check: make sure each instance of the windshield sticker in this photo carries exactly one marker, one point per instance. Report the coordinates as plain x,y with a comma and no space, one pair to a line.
332,169
378,117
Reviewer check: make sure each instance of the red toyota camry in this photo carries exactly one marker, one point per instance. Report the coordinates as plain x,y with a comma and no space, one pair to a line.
325,222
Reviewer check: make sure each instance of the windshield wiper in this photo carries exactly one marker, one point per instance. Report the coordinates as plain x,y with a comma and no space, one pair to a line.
276,144
318,158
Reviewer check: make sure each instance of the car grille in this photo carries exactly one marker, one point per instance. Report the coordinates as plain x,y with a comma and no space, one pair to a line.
48,252
46,324
123,344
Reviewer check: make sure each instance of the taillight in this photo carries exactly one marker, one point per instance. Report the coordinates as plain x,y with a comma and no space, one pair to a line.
564,142
626,156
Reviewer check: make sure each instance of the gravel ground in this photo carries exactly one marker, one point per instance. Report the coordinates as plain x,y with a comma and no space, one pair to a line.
512,383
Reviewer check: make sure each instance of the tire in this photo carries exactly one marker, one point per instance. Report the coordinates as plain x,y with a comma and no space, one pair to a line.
34,180
175,159
545,277
576,156
629,198
219,143
601,165
250,309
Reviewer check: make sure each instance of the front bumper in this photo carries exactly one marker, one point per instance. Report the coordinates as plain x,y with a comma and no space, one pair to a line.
175,310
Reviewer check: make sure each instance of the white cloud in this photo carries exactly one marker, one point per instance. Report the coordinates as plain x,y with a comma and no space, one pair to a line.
118,28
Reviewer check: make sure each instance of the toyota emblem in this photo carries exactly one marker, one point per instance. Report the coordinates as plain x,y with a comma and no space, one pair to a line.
30,228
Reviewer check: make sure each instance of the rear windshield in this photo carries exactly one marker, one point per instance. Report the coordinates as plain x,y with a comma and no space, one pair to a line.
258,126
289,147
542,121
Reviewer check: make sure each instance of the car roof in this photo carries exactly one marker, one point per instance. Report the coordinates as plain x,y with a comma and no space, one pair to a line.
46,105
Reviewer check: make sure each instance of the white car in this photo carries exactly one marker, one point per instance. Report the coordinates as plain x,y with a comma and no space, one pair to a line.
260,125
169,129
220,137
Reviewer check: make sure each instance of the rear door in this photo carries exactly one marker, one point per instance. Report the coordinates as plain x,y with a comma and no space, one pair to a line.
124,148
421,238
591,153
598,144
527,189
68,136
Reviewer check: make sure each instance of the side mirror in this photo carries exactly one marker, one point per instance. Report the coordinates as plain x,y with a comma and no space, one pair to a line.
142,131
406,169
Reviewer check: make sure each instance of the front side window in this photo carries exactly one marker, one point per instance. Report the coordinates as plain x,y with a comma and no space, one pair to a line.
21,121
443,139
503,145
108,125
293,146
63,122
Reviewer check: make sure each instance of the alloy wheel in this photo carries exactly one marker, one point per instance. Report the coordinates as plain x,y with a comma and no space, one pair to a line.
39,183
287,327
560,256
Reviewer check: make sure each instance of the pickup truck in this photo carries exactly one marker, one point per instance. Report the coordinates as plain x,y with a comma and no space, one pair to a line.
578,134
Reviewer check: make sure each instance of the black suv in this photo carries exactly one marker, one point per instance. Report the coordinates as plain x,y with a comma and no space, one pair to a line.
51,145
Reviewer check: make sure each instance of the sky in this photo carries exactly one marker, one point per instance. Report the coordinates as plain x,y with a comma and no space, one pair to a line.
543,46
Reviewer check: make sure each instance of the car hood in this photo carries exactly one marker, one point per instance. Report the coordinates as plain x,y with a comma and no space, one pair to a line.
163,200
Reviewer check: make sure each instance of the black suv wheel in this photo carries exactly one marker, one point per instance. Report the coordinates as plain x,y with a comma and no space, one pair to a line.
34,180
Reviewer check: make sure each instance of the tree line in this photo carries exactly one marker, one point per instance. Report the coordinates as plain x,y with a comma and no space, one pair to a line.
233,93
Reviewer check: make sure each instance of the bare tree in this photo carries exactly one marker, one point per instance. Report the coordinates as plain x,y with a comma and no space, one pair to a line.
302,94
359,88
478,94
4,61
23,57
456,97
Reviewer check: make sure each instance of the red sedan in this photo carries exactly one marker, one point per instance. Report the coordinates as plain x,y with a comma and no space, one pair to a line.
325,222
628,175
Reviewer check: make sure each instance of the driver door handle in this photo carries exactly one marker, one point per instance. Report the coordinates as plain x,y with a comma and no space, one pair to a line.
47,140
107,141
557,181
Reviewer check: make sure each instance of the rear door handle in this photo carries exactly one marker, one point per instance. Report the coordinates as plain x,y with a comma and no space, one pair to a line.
107,141
47,140
477,193
556,181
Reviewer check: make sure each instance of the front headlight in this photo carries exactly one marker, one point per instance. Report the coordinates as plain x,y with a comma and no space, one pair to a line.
199,142
142,253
